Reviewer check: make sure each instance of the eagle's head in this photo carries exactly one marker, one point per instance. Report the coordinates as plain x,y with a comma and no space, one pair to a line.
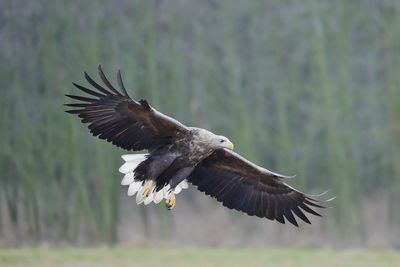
220,141
211,140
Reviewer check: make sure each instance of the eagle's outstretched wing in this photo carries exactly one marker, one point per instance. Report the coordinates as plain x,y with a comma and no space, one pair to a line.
117,118
242,185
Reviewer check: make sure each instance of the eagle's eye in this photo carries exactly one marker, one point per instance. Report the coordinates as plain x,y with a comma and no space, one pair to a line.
222,140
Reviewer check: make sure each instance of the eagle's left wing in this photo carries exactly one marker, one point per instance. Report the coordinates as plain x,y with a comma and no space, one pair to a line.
242,185
114,116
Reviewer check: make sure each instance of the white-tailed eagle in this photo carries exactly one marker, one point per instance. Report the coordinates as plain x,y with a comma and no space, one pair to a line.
178,154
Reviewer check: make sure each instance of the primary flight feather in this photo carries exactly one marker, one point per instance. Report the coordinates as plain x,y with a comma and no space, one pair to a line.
178,154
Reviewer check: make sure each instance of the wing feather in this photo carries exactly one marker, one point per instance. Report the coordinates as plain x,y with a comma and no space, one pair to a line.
270,208
107,82
96,85
88,91
121,83
81,98
279,208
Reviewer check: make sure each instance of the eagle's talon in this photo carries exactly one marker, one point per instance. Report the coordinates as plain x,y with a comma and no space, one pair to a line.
148,189
171,201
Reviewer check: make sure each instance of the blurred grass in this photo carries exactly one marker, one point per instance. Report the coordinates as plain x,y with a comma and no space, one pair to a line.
300,87
197,257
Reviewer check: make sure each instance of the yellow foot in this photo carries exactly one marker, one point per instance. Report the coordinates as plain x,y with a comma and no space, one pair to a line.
149,188
171,201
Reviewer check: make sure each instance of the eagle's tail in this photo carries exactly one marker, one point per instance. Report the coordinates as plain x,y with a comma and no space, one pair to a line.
138,187
131,162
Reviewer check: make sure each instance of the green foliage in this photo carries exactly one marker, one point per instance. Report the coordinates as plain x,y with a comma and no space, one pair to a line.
308,87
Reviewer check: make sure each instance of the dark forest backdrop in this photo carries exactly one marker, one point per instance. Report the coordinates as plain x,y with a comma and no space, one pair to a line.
307,87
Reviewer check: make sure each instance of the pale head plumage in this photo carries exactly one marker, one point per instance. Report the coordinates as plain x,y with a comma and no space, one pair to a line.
212,140
220,141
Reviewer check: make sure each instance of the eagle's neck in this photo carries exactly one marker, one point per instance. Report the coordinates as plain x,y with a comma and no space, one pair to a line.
198,144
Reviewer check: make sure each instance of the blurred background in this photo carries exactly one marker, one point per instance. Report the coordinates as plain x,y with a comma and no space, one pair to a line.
307,87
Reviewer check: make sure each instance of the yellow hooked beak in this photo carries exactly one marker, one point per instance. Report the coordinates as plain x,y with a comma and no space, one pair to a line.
231,146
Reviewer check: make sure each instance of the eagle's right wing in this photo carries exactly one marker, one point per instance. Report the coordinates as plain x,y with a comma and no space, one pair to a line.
242,185
121,120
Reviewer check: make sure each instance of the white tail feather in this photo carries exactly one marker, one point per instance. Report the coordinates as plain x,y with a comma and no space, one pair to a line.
133,188
149,199
177,190
134,157
166,191
127,167
131,162
139,195
158,197
128,179
184,184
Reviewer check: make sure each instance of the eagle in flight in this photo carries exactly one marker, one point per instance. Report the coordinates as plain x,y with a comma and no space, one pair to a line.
178,155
